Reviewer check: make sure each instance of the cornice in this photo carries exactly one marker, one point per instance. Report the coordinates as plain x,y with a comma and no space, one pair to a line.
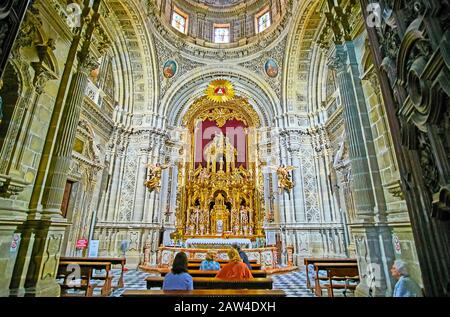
231,10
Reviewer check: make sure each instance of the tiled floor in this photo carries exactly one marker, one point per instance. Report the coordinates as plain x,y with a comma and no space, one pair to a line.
294,283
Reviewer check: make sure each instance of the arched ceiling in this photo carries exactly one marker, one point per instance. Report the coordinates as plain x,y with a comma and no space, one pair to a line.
134,56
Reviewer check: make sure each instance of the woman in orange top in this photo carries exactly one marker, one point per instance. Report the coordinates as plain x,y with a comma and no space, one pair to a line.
235,269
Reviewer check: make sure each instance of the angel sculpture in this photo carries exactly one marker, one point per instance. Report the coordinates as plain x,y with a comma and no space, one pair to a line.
284,179
154,181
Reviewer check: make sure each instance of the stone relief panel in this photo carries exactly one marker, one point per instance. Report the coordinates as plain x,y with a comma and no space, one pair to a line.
128,186
52,256
310,188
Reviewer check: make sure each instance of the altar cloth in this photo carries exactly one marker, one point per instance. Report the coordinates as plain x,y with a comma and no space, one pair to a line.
193,242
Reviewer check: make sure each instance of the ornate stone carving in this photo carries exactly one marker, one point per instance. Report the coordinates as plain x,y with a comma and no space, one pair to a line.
205,108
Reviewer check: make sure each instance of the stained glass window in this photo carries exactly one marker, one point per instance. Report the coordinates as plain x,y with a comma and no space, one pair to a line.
264,22
222,34
179,22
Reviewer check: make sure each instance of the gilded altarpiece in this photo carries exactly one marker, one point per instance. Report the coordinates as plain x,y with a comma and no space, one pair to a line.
220,184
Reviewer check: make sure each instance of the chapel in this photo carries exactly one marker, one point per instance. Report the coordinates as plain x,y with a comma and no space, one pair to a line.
314,135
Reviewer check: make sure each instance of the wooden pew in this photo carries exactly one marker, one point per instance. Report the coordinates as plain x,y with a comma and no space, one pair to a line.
206,293
335,272
85,276
199,273
114,261
196,266
215,283
309,261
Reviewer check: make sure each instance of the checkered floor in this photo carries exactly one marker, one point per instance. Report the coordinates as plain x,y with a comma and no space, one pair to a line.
294,283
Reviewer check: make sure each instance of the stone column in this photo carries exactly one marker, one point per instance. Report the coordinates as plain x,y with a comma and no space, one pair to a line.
62,154
362,185
373,246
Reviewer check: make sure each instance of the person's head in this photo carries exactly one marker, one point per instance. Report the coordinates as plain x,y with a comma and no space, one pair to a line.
210,255
399,269
236,247
233,255
180,263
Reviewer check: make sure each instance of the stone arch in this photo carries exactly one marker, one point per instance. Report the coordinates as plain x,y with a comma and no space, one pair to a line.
192,85
297,61
135,73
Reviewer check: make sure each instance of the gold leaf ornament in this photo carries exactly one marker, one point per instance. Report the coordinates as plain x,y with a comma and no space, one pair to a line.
220,91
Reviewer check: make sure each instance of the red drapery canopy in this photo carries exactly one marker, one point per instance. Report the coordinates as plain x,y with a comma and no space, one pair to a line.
234,129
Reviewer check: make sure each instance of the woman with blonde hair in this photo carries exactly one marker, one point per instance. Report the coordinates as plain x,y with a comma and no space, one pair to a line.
235,269
209,264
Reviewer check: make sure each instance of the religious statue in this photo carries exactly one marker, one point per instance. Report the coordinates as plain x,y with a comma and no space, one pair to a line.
284,179
203,175
244,220
219,215
235,221
194,221
203,222
220,150
154,176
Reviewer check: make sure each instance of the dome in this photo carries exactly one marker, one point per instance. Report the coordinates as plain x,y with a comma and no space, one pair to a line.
227,23
221,3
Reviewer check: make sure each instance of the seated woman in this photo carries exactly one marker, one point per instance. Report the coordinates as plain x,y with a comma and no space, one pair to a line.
405,286
209,264
178,278
235,269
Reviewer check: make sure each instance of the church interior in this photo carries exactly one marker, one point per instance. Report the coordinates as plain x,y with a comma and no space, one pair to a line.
313,134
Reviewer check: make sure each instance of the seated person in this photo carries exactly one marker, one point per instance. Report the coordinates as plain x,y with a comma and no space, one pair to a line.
209,264
405,286
242,255
235,269
178,278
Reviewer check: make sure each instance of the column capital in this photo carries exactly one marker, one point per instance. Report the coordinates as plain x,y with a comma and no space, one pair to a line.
338,59
87,62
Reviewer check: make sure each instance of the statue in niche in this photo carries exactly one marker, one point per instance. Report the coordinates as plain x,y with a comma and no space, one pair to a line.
196,219
220,150
243,215
203,176
154,181
219,215
203,222
235,221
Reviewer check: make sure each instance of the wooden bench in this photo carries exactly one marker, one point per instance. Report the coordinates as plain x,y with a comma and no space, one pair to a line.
206,293
346,272
200,273
114,261
310,261
215,283
68,269
196,266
